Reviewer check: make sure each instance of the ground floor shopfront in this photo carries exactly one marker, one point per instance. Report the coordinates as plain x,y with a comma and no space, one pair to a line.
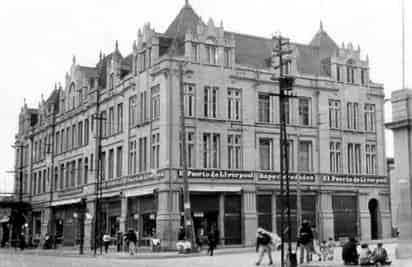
235,210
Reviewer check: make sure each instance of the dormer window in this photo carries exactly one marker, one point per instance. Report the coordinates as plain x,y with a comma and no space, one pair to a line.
363,77
211,54
72,96
142,65
111,81
350,72
227,57
195,52
91,83
338,77
80,96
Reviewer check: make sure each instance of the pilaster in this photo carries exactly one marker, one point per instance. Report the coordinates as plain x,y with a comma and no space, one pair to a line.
123,214
88,225
168,217
249,215
364,217
326,217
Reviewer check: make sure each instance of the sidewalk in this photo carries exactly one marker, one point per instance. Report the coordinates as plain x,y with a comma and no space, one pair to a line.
142,253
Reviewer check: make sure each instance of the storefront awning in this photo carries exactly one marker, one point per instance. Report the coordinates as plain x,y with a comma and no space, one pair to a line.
138,192
215,188
66,202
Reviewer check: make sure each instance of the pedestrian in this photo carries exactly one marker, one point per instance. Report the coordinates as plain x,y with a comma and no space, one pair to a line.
22,241
331,249
365,256
324,250
380,255
181,234
349,253
106,242
263,245
212,238
131,238
306,242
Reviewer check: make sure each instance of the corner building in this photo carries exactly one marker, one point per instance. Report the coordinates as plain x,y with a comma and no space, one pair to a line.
335,131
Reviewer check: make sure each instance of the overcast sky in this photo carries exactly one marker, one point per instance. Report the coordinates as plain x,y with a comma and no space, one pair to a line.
38,39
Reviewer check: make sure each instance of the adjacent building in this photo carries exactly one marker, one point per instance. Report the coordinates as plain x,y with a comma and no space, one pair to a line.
335,132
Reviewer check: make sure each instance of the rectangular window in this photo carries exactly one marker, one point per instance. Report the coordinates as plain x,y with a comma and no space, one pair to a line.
111,122
210,101
363,77
132,111
86,132
370,151
132,157
369,117
86,170
103,165
233,104
190,153
119,161
189,99
335,158
195,52
103,122
74,137
68,143
62,143
79,171
304,111
211,150
227,57
57,143
338,70
80,133
334,114
353,115
62,176
305,156
111,164
142,154
155,103
143,106
73,173
142,61
234,151
354,158
154,161
265,153
264,108
119,117
211,54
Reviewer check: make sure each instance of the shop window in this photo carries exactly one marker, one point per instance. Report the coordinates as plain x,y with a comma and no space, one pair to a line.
232,220
264,210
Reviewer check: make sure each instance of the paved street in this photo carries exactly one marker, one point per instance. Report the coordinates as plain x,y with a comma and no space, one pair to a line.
10,258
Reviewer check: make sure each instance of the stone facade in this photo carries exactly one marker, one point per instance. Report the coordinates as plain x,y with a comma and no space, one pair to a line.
232,127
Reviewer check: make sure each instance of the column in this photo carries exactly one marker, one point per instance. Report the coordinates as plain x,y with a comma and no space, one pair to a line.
168,216
123,214
221,222
326,219
249,215
274,215
364,216
44,223
88,225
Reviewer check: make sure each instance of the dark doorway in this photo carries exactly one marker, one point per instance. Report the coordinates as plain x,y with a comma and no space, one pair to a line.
374,215
345,216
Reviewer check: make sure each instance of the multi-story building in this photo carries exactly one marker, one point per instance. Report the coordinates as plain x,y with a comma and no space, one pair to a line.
335,132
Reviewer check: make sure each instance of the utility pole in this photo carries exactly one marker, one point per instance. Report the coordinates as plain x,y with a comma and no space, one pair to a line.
285,88
51,151
186,194
97,211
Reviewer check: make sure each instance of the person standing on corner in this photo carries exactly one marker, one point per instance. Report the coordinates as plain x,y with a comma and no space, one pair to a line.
132,240
263,241
212,238
106,242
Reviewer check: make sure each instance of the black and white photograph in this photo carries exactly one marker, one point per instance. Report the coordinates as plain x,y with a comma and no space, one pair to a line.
206,133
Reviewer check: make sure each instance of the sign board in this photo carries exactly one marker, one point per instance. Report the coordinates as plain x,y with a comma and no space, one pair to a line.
198,214
272,176
218,174
343,179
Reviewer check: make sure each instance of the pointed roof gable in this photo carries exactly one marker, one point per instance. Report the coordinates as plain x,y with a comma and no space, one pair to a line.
323,41
186,20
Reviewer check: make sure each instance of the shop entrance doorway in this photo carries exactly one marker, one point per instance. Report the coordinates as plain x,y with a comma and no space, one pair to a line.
203,223
374,215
